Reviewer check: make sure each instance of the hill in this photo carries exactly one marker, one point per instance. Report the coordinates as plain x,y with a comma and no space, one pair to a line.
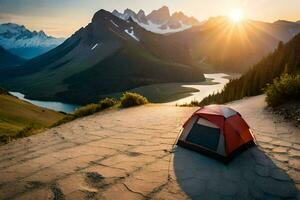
17,115
109,55
8,59
285,58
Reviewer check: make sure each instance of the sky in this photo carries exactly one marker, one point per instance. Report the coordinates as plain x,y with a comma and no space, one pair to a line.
61,18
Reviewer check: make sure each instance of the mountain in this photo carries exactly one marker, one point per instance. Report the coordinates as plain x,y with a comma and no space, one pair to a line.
224,46
17,115
8,59
285,58
25,43
159,21
109,55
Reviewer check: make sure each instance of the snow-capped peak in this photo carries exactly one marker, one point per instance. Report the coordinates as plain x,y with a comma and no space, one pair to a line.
12,28
159,21
18,36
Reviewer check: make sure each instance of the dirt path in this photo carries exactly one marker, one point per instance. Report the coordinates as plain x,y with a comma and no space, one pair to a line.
126,155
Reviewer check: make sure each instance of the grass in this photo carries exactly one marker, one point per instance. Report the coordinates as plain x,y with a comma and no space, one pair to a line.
88,110
19,118
193,103
127,100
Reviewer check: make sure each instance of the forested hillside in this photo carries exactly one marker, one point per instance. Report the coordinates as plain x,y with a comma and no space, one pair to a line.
286,58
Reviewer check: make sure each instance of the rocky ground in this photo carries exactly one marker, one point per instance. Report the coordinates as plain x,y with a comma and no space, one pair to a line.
128,154
289,111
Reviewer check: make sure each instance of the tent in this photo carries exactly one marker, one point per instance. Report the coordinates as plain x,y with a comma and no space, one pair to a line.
218,131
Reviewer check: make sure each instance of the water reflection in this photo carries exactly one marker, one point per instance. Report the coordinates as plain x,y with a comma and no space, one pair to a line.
57,106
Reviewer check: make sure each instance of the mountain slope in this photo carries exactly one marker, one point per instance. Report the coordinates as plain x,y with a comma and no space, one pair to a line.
286,58
8,59
225,46
109,55
25,43
159,21
16,115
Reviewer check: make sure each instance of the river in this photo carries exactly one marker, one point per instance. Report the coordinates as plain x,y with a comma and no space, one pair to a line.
220,80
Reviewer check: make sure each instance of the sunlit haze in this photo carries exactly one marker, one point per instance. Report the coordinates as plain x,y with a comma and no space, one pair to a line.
236,15
62,18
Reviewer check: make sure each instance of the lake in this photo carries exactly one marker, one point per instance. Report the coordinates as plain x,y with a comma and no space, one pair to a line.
57,106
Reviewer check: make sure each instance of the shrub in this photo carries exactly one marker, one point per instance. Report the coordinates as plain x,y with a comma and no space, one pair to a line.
193,103
26,131
130,99
107,103
64,120
87,110
4,139
283,89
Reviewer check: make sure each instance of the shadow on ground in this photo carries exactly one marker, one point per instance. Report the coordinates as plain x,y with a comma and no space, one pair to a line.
251,175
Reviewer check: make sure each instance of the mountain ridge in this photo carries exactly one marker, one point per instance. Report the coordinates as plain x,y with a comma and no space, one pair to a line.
160,20
25,43
112,55
8,59
80,71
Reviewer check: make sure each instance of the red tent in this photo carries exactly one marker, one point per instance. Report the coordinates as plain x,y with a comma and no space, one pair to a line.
216,130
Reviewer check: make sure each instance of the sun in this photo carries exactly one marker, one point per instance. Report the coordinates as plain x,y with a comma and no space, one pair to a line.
236,15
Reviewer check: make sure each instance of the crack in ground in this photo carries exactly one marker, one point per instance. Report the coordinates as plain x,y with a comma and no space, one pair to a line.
57,193
130,190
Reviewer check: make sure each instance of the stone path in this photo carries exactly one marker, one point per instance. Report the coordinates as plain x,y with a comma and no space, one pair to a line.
127,154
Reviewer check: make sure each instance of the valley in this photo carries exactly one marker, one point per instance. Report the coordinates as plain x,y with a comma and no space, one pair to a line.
112,55
170,93
118,100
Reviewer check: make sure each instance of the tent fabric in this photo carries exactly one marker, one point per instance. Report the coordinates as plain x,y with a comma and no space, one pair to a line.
217,110
217,130
206,123
204,136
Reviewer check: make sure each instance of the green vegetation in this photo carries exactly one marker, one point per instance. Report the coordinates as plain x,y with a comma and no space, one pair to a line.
108,102
132,99
128,99
285,59
283,89
193,103
88,110
19,118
